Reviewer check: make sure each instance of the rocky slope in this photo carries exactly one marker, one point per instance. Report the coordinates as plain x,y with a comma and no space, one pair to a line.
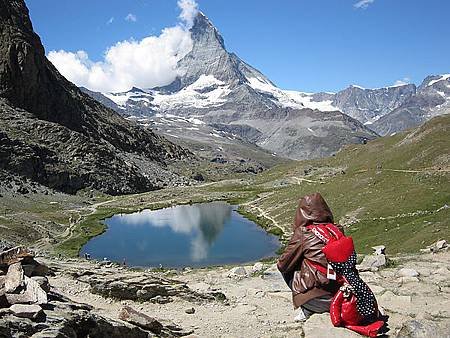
254,300
54,134
432,98
368,105
219,89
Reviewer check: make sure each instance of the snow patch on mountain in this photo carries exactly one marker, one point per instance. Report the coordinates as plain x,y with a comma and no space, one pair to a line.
206,92
289,98
442,78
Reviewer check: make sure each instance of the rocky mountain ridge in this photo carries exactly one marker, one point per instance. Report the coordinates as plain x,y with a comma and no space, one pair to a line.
218,88
54,134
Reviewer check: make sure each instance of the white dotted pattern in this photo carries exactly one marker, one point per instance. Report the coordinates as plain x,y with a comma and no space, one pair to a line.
365,300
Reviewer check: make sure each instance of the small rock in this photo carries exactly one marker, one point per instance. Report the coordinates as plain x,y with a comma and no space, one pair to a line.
405,272
258,267
409,279
134,317
238,271
4,312
190,311
441,244
379,249
444,271
26,311
14,278
372,261
201,286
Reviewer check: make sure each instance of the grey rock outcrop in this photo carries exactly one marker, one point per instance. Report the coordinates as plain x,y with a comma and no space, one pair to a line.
367,104
431,99
139,319
52,133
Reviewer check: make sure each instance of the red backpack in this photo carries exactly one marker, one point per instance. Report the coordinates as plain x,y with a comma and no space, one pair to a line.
354,306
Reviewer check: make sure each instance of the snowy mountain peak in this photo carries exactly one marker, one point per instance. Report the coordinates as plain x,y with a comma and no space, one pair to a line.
431,80
203,27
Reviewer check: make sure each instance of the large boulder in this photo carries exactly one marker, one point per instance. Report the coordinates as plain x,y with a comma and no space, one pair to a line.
33,294
372,262
26,311
14,255
14,280
140,319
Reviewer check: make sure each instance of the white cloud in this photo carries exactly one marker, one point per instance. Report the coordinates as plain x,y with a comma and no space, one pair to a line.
131,17
110,21
363,4
401,82
189,9
146,63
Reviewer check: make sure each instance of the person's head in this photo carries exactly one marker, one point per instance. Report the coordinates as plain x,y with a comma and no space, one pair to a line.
312,209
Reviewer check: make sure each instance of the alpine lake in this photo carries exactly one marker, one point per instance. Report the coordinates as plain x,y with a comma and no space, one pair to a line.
197,235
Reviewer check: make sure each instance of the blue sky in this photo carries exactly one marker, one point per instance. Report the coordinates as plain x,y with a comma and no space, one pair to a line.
308,45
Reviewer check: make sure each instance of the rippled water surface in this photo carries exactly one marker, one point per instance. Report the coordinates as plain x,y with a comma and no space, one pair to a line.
186,235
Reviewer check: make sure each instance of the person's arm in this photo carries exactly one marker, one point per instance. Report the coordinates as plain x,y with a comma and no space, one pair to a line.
289,260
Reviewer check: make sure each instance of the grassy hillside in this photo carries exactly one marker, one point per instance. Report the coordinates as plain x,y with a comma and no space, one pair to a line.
393,191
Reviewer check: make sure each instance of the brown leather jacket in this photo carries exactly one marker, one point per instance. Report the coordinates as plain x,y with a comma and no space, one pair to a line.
307,282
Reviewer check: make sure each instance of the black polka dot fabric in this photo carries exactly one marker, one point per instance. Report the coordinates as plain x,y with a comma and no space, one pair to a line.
365,299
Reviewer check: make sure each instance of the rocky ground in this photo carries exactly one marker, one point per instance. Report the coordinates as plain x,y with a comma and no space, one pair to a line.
245,301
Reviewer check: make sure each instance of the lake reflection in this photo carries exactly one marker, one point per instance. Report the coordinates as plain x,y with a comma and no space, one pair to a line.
195,235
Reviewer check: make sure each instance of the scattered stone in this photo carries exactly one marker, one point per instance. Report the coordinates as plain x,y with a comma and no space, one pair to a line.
134,317
379,249
438,246
257,267
441,244
190,311
4,312
14,278
238,271
26,311
405,272
161,300
201,287
408,279
372,261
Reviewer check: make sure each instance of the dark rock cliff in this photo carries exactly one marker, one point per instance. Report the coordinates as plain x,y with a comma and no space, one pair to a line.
54,134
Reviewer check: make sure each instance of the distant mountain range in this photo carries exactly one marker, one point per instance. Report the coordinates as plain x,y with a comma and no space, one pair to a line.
219,90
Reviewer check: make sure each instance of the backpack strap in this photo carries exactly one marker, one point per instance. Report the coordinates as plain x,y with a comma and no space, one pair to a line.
326,232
